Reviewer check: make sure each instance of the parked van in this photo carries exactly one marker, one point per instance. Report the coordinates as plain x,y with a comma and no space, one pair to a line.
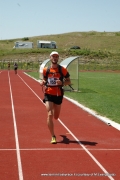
46,44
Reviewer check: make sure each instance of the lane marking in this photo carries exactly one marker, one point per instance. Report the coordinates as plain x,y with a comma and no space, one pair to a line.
31,89
16,134
86,150
60,149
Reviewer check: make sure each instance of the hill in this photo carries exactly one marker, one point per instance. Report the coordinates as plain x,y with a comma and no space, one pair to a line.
104,42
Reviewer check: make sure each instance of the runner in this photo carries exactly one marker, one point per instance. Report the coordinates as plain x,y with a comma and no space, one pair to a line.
8,65
53,83
15,67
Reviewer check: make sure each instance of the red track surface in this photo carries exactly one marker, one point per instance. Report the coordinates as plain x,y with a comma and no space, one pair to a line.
86,147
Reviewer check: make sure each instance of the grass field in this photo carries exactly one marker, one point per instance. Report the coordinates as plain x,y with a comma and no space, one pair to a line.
93,45
99,91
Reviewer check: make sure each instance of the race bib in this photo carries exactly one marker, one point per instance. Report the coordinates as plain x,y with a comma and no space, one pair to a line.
52,81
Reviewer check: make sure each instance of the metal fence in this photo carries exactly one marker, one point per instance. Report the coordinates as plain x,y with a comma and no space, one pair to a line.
99,64
84,64
22,64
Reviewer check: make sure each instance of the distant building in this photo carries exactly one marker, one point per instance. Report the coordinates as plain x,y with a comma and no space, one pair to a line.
46,44
23,44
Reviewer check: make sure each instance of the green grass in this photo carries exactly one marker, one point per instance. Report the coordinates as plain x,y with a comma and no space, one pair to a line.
99,91
34,74
93,45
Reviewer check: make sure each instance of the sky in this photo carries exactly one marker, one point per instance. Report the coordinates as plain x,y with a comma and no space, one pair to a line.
28,18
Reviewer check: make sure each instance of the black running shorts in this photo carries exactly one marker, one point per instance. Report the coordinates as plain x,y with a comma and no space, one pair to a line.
52,98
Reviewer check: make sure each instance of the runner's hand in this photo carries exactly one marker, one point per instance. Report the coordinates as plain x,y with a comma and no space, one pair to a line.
42,83
58,82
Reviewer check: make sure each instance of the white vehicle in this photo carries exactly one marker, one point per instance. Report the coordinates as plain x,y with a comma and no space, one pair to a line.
46,44
23,44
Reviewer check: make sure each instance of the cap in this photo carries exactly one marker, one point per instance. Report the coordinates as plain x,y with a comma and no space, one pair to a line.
54,52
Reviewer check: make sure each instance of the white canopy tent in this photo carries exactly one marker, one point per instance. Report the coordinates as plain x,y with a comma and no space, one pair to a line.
44,63
72,65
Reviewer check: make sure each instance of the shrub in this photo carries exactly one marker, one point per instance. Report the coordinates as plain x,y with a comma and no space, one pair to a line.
25,39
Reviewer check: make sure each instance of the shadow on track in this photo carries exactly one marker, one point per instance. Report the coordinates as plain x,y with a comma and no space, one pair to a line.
68,141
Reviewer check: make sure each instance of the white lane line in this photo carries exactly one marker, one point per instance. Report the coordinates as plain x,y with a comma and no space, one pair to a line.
16,134
94,159
86,150
60,149
31,89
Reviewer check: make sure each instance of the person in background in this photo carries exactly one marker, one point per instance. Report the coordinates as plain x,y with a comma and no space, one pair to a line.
8,65
53,95
15,67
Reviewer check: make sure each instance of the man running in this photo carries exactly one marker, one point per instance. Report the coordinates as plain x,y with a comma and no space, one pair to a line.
53,96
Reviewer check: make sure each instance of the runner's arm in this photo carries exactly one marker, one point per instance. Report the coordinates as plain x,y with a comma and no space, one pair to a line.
66,81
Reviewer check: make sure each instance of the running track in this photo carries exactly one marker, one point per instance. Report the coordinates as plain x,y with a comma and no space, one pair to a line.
86,147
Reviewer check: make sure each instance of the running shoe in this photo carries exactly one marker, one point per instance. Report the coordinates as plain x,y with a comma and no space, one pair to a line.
53,141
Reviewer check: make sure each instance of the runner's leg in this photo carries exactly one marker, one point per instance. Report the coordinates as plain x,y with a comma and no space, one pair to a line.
49,107
56,111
